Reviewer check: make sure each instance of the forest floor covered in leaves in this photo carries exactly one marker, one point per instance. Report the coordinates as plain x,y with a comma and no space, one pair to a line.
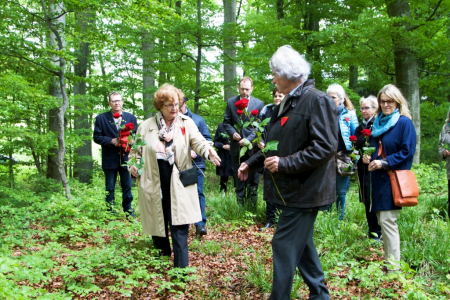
53,248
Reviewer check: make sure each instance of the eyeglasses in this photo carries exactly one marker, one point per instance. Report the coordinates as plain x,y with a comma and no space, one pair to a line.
176,105
388,102
366,108
115,101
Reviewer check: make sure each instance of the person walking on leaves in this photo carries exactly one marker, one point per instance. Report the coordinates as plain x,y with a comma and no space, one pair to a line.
246,190
107,130
303,171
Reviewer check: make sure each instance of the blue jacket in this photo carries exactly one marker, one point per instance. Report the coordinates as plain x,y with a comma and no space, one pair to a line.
399,144
104,131
348,122
203,128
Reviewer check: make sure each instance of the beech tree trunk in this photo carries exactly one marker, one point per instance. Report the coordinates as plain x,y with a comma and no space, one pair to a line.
83,165
148,73
198,61
229,65
313,52
56,26
406,66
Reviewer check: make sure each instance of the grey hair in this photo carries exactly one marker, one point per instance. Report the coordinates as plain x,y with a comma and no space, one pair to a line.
337,89
113,93
288,63
372,101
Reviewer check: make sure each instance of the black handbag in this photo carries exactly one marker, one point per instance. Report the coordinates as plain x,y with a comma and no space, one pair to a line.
188,177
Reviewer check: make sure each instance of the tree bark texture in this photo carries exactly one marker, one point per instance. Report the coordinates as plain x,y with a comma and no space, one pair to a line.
83,165
198,61
406,66
313,52
229,65
148,73
57,41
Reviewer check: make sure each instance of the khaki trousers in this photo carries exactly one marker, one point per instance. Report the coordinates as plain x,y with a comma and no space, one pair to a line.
391,236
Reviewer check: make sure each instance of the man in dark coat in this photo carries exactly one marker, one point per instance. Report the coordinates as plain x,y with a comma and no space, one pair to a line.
199,164
303,169
225,169
247,189
106,134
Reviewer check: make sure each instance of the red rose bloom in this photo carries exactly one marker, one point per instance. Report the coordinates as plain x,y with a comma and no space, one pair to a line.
241,104
347,119
352,138
255,112
129,126
240,112
124,133
366,132
117,115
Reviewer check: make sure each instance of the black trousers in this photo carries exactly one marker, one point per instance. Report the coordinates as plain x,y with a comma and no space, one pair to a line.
224,183
179,233
270,212
245,190
372,222
293,247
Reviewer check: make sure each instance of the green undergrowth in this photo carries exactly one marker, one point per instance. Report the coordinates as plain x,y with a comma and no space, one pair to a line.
54,248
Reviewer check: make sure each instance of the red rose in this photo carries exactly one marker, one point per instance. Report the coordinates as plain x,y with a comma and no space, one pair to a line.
124,133
117,115
352,138
347,119
255,112
366,132
241,104
240,112
129,126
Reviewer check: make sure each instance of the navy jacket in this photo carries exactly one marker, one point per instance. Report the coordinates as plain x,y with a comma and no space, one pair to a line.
203,128
104,131
399,145
231,118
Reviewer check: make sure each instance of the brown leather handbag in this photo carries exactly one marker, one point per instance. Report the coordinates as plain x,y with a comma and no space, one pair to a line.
405,189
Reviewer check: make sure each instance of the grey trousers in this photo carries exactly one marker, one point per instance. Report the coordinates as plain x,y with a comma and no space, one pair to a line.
293,247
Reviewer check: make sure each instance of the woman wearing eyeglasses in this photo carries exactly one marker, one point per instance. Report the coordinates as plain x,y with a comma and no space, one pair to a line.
163,200
347,123
394,128
368,107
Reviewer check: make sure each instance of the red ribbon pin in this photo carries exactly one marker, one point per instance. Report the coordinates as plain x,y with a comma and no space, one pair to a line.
283,120
183,130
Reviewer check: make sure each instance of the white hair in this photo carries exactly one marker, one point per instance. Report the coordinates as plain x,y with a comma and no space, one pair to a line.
337,89
289,64
371,99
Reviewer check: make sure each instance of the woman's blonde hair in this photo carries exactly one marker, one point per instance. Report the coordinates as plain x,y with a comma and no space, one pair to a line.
167,93
348,104
394,93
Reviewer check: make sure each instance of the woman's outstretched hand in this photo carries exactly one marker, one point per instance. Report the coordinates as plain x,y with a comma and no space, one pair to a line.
214,158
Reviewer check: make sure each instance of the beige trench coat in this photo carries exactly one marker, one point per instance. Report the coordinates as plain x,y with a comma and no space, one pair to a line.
184,200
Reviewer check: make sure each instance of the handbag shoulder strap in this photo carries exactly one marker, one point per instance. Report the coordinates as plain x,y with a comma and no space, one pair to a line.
380,149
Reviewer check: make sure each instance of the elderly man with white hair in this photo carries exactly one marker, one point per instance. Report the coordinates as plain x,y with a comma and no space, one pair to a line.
302,172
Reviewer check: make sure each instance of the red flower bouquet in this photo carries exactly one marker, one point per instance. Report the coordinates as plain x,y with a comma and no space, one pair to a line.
116,115
255,112
242,104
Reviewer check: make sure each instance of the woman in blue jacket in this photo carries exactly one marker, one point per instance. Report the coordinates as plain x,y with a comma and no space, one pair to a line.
394,128
347,123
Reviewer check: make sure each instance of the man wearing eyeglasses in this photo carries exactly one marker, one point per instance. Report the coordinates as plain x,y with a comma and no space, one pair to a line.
106,133
247,190
199,164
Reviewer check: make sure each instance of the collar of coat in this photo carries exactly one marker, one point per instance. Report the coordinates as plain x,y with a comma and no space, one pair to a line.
179,118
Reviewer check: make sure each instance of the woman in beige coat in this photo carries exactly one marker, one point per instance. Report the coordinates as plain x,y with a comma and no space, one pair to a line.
163,200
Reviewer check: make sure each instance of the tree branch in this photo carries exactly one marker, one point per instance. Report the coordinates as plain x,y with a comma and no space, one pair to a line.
434,73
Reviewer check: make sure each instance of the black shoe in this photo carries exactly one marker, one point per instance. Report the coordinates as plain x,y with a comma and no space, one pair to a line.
201,230
268,225
130,213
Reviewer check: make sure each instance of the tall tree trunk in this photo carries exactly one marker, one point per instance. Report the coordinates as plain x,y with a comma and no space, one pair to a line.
313,52
57,40
353,77
280,9
229,65
148,73
83,165
406,73
198,62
